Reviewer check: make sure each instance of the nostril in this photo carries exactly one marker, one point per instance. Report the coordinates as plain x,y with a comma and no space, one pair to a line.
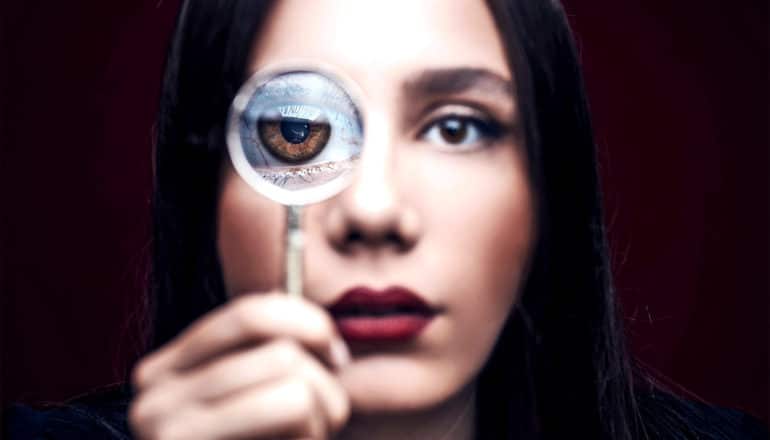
394,238
352,231
356,238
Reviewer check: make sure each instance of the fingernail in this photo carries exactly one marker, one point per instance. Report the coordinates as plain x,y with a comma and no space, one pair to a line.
340,354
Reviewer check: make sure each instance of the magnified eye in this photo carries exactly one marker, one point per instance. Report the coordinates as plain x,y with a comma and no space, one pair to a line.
292,137
300,128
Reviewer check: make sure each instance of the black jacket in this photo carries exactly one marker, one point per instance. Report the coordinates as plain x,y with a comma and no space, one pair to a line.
103,416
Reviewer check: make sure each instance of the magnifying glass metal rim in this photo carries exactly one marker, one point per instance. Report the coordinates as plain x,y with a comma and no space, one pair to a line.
235,147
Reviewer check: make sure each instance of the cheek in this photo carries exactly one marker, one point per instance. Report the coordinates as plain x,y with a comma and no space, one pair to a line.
480,215
248,237
481,221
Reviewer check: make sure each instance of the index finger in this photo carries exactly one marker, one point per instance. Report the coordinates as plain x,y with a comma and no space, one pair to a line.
247,319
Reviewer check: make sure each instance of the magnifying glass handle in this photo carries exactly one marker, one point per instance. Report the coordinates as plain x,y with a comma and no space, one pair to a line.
295,247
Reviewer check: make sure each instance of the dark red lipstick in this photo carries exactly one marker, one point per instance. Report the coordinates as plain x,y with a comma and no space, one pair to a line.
391,315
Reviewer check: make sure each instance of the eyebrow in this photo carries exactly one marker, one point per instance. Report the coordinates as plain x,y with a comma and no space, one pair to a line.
455,81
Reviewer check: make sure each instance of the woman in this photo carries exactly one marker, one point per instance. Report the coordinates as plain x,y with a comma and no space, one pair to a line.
476,204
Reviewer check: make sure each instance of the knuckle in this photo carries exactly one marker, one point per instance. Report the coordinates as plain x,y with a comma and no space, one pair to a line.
140,415
334,398
137,413
150,407
288,353
316,429
244,315
313,427
302,398
323,328
251,300
317,329
304,411
151,434
216,371
171,430
340,413
139,375
247,309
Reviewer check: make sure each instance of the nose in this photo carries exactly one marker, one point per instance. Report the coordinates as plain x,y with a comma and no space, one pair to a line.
374,213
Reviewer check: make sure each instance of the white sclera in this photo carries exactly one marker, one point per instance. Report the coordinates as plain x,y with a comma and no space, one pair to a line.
307,93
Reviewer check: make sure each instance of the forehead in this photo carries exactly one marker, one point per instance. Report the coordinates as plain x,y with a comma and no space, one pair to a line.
378,42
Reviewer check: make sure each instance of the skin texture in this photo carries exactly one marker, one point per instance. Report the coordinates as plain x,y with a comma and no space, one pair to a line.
453,223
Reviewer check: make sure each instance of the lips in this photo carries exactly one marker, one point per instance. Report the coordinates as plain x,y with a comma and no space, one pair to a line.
392,315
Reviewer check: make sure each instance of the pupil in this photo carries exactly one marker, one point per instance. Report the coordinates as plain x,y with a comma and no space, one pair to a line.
453,130
295,130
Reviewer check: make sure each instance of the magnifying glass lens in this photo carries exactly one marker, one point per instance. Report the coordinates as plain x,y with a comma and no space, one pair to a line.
295,136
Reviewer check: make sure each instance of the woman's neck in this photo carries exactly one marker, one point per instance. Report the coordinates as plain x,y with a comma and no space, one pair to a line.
452,420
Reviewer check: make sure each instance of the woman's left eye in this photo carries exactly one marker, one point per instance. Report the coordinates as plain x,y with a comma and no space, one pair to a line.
460,132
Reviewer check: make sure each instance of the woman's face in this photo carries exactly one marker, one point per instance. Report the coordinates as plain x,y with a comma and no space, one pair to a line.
441,204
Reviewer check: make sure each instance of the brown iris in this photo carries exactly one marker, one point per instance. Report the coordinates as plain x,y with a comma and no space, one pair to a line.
453,130
294,139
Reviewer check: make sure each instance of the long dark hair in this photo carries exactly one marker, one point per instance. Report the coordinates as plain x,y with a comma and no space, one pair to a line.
564,343
560,368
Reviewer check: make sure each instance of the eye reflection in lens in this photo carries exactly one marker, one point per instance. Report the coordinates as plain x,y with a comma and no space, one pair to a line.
297,133
293,139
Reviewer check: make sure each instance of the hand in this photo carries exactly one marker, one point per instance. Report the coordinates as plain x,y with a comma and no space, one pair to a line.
257,367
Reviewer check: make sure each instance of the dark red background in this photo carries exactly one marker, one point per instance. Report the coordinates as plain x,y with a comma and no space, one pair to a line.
679,91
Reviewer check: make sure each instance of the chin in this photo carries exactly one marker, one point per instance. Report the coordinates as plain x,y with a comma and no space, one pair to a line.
385,384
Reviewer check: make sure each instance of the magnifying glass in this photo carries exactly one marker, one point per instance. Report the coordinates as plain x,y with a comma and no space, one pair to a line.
295,136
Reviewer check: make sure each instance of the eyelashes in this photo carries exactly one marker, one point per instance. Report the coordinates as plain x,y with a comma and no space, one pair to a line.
462,132
292,178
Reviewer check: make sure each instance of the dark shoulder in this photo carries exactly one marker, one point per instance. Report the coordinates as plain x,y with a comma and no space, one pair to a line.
98,415
666,416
